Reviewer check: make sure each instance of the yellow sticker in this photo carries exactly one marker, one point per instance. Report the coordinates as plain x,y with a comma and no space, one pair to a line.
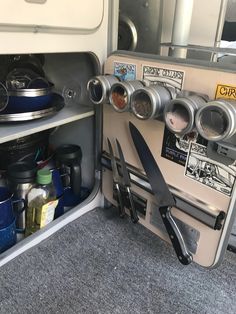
225,92
47,213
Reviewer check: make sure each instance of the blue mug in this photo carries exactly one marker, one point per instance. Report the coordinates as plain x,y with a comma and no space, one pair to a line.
7,215
8,237
71,200
57,182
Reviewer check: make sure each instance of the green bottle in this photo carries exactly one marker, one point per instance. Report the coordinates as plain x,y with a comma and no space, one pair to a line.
41,200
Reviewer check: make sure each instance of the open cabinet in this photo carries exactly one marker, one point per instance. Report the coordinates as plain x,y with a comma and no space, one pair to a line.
75,53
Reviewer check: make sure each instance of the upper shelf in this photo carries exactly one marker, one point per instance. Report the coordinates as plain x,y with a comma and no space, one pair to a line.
68,114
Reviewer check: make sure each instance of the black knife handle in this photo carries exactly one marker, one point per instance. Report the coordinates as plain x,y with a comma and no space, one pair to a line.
120,201
184,256
133,212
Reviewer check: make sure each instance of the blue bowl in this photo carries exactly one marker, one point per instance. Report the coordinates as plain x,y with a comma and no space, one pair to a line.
28,99
8,237
18,104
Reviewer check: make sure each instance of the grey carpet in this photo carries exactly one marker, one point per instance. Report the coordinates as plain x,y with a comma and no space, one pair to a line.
103,264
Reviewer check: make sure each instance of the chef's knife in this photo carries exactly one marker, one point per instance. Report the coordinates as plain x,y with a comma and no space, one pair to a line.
127,183
116,180
162,194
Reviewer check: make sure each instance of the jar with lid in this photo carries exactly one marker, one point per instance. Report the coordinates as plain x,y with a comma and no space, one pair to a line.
41,200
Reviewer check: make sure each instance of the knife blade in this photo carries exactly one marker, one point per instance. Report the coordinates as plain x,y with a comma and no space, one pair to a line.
163,195
127,184
116,180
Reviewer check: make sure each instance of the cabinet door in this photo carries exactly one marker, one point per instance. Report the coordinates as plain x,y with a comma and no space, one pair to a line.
202,185
63,14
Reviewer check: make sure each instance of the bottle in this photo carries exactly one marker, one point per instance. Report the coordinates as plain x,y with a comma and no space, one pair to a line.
41,200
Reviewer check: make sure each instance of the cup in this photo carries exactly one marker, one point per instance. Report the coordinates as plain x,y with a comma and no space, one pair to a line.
57,182
8,236
7,204
70,199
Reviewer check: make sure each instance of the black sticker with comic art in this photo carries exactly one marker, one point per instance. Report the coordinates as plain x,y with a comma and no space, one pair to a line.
175,148
209,172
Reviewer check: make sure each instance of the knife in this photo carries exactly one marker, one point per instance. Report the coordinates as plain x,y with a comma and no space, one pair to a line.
116,180
162,194
127,183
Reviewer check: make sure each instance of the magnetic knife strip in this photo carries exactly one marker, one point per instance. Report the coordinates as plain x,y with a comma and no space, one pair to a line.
209,217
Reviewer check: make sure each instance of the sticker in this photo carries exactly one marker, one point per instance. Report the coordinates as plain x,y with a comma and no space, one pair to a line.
175,148
47,213
208,171
168,77
225,92
125,71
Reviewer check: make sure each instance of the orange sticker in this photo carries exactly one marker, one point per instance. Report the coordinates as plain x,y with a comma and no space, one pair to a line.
225,92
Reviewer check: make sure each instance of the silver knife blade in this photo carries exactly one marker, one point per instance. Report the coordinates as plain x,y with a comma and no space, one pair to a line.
116,180
157,182
125,172
127,182
113,163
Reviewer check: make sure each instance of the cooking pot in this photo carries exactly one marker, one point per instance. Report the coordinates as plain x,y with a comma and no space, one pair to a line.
29,99
3,97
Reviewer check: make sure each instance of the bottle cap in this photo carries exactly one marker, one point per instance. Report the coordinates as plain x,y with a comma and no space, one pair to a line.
44,176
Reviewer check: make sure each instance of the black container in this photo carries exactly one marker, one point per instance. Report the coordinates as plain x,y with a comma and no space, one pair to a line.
28,148
68,160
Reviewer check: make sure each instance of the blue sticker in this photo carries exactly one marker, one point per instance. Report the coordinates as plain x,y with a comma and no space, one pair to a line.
125,71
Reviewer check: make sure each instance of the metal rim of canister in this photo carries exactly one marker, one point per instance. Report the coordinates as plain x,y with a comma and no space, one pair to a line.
156,96
189,105
126,88
222,107
104,82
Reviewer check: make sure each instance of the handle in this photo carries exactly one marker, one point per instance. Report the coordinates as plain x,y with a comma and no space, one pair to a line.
75,178
120,201
22,209
36,1
184,256
133,212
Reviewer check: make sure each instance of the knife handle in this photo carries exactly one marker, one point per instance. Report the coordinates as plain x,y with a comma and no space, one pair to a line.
133,212
184,256
120,201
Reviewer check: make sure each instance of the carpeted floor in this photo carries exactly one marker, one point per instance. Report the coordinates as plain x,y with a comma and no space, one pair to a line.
103,264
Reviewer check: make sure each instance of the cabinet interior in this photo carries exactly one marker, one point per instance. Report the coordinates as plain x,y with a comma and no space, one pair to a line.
75,123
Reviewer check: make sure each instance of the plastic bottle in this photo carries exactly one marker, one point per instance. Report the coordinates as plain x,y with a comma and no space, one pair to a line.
41,201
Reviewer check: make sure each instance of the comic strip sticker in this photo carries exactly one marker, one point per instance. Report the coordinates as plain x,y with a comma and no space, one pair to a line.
125,71
168,77
175,148
208,171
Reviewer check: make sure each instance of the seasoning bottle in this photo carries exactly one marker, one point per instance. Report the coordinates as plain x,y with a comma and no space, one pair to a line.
41,201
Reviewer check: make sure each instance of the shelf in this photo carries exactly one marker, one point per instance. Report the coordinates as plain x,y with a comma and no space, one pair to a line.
12,131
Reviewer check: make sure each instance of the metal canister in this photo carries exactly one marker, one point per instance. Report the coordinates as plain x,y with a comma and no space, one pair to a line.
21,177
